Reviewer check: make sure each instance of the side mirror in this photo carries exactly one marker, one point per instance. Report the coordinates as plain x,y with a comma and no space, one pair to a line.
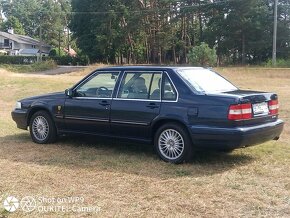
69,93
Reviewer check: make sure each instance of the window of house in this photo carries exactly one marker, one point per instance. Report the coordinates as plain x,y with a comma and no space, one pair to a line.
6,42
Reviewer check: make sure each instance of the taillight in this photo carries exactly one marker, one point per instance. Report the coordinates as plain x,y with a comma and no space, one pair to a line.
273,107
240,112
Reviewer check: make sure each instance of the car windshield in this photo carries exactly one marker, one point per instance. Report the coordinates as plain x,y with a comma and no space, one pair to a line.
206,81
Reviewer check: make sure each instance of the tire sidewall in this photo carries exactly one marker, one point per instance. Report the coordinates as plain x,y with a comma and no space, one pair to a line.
187,151
51,132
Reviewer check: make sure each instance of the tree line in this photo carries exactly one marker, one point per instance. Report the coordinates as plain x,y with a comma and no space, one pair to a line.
156,31
46,20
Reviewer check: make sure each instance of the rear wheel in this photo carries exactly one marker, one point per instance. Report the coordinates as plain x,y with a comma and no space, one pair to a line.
42,128
173,144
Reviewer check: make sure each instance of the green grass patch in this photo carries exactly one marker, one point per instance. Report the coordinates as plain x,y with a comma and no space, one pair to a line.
284,63
35,67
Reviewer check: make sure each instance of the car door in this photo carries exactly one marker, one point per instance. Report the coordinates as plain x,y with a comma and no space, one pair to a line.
89,108
137,103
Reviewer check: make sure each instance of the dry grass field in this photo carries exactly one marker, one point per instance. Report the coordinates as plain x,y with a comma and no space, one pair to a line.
128,180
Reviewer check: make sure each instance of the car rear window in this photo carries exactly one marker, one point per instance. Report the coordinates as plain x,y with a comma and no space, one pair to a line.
206,81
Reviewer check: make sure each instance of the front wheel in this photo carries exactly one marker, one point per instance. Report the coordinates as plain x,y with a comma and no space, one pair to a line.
173,144
42,128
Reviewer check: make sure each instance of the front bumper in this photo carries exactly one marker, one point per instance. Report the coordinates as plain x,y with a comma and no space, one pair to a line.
20,117
230,138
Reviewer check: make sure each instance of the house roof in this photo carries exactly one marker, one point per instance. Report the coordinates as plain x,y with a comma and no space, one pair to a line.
31,51
22,39
71,52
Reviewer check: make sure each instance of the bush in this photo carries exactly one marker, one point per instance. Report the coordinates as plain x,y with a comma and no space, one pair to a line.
55,52
44,65
67,60
35,67
27,60
279,63
202,55
20,59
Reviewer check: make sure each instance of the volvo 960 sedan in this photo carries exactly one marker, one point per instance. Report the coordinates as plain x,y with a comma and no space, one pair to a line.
178,109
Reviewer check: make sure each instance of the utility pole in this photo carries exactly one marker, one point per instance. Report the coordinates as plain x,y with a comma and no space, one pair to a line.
40,33
68,38
59,43
275,34
40,36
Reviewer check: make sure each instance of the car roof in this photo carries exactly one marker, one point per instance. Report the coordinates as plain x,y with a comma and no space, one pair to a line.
151,67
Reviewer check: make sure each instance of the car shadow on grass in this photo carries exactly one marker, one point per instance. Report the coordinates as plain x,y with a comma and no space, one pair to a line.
118,156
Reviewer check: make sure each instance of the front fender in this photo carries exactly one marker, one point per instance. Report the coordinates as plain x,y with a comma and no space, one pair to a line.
36,106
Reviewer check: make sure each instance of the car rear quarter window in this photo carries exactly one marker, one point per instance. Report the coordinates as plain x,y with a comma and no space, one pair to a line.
169,93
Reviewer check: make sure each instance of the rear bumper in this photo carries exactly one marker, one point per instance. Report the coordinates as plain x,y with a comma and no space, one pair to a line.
235,137
20,117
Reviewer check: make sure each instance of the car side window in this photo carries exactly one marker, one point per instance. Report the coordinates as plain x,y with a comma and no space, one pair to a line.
139,85
100,85
168,91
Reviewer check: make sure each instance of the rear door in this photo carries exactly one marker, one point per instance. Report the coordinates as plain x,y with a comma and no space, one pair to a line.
89,108
137,103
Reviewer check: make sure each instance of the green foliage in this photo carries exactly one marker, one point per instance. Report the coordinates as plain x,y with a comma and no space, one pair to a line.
55,52
43,65
100,36
48,62
82,60
279,63
202,55
155,31
13,22
242,29
34,67
17,59
134,31
163,31
44,20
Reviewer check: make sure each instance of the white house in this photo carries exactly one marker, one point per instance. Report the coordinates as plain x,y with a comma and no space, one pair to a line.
16,44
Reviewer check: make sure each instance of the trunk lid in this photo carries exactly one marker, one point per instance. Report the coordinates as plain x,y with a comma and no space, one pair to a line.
259,102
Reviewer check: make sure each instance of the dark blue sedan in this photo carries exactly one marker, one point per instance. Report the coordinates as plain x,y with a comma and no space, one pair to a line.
178,109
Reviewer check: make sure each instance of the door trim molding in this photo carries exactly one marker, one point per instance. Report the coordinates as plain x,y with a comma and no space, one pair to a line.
86,119
130,122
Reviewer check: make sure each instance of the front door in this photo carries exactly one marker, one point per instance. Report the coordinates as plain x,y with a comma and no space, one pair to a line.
137,103
89,108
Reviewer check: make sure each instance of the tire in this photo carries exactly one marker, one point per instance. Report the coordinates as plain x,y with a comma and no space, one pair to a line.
173,144
42,128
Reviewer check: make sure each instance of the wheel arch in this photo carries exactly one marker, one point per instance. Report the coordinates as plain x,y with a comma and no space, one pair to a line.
35,109
162,122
